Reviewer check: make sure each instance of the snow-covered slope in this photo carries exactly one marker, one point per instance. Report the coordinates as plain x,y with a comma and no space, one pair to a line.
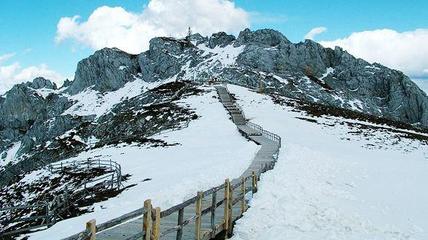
208,151
335,179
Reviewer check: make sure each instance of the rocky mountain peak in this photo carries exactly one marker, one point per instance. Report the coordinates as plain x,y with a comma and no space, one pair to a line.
220,39
198,38
107,69
41,82
263,37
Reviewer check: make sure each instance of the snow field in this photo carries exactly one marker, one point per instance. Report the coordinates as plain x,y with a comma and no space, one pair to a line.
328,184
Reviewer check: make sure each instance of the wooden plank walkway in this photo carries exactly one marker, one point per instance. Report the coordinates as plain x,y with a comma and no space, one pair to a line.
211,218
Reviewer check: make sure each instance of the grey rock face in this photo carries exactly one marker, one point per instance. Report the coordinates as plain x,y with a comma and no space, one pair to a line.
106,70
198,38
21,108
263,38
220,39
40,82
24,113
163,58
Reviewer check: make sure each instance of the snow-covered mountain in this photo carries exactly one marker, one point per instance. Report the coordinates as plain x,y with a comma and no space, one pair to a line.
124,107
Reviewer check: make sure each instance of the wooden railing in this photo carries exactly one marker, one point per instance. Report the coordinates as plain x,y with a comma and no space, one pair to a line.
114,178
53,209
44,218
226,196
228,202
272,136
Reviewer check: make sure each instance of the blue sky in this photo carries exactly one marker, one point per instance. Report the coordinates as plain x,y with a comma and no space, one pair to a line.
28,28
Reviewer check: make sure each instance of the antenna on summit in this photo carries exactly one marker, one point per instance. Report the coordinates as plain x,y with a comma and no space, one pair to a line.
189,33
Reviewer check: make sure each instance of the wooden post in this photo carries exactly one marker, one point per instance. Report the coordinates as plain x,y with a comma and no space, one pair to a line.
226,205
213,207
230,207
156,224
243,207
91,227
198,221
254,178
147,219
180,223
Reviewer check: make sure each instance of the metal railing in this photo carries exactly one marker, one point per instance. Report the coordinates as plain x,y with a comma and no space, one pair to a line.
272,136
113,178
61,203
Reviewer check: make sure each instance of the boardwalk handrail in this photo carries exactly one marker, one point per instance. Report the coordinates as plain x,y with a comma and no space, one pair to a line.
270,135
111,223
253,178
109,165
60,203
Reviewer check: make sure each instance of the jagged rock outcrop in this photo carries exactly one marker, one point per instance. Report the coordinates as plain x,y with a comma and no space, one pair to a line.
220,39
160,62
40,82
106,70
25,110
21,108
262,38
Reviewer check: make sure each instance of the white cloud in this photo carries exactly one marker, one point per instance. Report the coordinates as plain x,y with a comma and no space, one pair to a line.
14,73
405,51
116,27
6,57
314,32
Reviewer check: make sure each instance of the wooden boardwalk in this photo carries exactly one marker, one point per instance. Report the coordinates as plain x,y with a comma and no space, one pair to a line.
203,217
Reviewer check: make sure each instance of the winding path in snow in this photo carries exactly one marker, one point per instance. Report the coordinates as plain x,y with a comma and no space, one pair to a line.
130,226
270,143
